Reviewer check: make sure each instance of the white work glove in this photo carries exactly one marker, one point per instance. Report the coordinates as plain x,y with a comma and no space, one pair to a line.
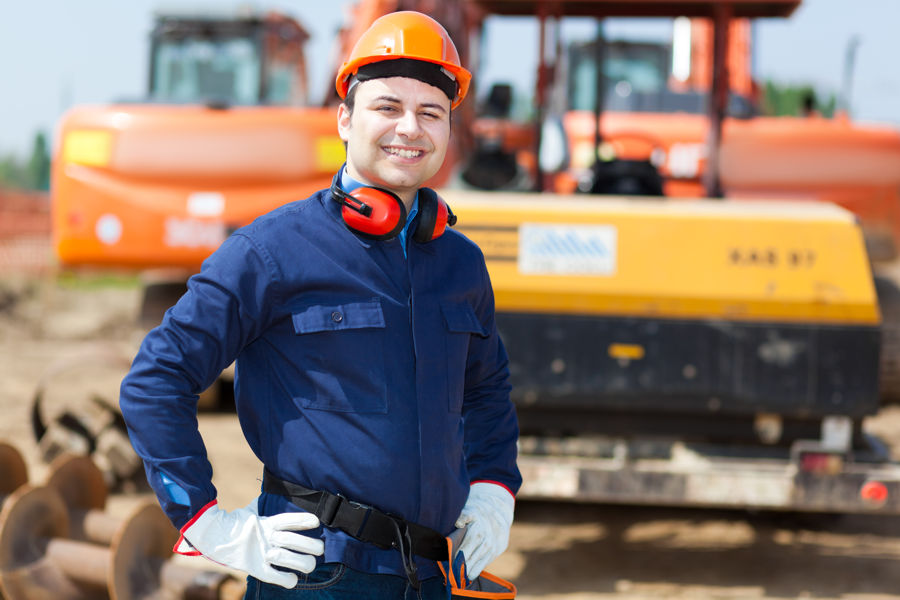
243,540
488,513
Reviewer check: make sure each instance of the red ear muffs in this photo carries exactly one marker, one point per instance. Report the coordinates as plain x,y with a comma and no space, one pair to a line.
379,214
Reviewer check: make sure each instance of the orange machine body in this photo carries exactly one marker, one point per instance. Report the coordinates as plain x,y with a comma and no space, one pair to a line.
162,186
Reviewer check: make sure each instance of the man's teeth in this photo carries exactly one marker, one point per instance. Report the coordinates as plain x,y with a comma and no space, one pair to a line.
405,153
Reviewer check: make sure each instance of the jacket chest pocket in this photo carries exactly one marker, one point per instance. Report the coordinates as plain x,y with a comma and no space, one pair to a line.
341,362
462,326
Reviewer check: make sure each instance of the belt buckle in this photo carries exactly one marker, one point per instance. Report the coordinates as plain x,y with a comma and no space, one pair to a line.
329,508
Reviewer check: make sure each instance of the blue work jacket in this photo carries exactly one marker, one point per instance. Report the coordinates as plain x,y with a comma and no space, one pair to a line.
357,370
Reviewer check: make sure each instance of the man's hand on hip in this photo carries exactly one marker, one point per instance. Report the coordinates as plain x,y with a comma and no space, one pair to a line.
488,513
243,540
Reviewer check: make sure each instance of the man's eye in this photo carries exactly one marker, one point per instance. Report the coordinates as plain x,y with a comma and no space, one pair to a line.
387,108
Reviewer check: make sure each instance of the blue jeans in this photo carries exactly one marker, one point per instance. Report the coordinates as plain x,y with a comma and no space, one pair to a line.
334,581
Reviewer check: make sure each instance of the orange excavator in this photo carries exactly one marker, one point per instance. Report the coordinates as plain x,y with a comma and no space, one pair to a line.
226,132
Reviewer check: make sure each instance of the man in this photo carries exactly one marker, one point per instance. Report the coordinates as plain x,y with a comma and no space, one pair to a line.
370,379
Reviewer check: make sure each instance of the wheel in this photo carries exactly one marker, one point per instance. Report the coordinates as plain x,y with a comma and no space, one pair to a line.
628,165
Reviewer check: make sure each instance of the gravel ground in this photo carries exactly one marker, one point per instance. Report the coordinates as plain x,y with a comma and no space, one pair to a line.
84,334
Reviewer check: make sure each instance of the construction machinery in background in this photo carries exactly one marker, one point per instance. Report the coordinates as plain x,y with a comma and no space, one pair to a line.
226,132
643,124
653,98
671,351
663,348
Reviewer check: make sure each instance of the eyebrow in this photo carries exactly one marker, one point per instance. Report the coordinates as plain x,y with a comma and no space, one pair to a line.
434,105
395,100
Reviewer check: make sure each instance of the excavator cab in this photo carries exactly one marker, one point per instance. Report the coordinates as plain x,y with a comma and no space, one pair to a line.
226,61
626,77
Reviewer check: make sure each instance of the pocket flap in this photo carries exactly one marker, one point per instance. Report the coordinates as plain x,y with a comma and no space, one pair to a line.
460,318
335,317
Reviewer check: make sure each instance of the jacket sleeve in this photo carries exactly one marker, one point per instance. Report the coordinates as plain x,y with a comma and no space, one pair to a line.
224,308
491,426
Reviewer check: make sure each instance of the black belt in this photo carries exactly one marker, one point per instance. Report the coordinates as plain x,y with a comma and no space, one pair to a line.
363,522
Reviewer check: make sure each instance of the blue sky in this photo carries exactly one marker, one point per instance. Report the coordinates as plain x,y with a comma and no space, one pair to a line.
57,53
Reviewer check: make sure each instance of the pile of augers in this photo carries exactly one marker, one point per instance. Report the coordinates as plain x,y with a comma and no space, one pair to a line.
58,541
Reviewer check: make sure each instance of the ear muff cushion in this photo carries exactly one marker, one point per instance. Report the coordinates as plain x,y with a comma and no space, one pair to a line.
443,219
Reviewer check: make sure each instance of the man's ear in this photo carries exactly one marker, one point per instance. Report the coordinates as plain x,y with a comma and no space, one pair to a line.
343,122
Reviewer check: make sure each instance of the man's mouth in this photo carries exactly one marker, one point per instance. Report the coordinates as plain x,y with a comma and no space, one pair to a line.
404,152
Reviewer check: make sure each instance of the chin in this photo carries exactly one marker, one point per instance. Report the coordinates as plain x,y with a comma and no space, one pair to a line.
405,181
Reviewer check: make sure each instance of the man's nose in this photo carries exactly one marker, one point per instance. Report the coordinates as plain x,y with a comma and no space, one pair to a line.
408,125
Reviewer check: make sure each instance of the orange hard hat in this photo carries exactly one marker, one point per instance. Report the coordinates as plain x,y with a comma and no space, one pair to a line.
415,37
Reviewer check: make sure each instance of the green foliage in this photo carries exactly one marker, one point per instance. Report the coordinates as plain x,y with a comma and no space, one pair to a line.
31,175
795,101
38,168
90,280
12,173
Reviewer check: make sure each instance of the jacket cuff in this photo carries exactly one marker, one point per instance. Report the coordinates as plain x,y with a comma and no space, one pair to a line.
182,546
503,485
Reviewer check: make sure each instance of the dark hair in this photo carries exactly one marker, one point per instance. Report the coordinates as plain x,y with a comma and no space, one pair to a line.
350,98
349,101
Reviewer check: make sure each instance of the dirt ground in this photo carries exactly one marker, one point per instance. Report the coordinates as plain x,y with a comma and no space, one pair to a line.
557,551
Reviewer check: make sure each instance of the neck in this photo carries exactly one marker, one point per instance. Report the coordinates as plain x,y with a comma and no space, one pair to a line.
406,196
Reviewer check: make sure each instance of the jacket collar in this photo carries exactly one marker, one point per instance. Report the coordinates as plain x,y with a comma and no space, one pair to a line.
333,210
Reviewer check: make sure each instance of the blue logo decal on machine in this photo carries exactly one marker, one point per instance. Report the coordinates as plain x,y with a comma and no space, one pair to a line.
567,249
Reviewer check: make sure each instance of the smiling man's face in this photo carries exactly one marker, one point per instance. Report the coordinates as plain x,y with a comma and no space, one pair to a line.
397,134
